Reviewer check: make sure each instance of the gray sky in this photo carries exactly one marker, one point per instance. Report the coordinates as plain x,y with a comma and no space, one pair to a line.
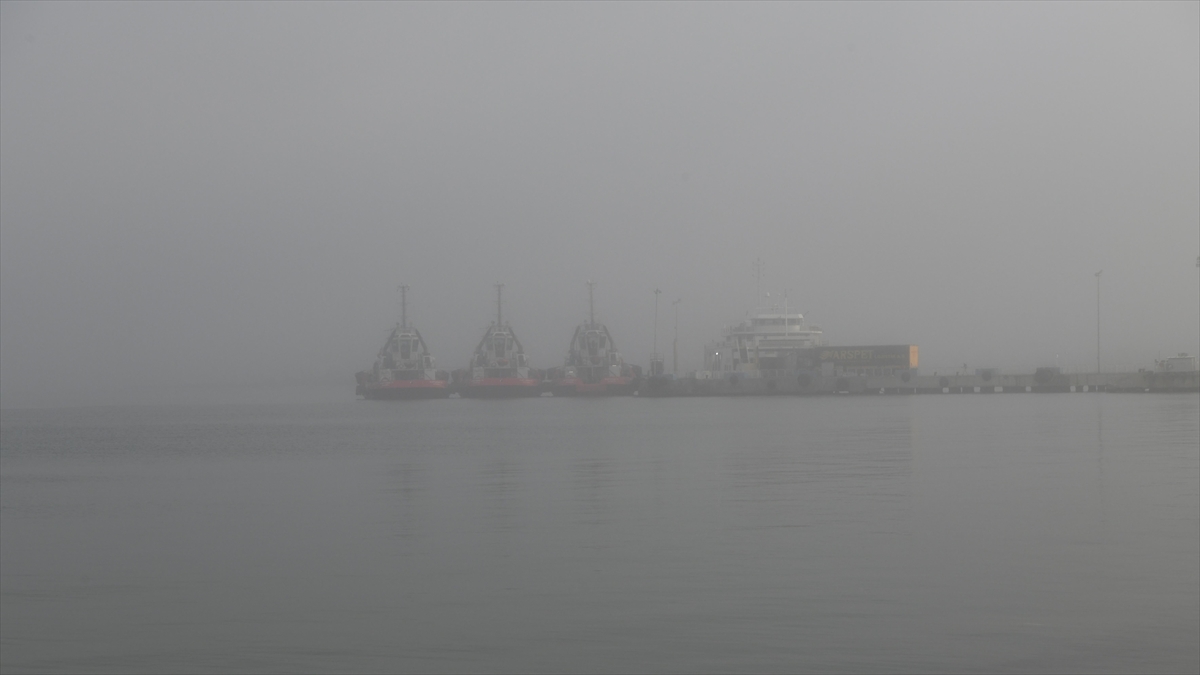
201,199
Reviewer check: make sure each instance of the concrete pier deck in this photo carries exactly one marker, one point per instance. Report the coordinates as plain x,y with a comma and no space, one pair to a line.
780,383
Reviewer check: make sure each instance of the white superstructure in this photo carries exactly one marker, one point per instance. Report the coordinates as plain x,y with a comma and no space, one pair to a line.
763,342
1177,364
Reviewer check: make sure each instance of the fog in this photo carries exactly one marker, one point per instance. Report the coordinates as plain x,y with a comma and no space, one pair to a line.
217,201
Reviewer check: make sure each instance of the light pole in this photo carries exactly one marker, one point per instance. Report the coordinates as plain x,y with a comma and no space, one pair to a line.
675,342
654,352
656,365
1098,320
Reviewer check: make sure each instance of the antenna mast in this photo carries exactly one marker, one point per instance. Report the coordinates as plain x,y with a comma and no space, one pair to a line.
758,267
591,303
499,288
403,305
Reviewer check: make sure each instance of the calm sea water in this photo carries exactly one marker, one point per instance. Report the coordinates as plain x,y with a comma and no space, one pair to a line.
1013,533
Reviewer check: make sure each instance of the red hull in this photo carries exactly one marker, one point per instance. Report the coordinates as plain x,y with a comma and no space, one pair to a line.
609,386
502,387
407,389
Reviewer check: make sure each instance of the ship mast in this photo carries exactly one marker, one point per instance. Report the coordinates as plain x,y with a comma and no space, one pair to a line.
656,364
758,267
591,304
499,317
403,306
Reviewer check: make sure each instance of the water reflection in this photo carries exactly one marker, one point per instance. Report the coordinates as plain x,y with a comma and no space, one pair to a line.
407,483
499,479
1100,403
814,473
592,479
926,534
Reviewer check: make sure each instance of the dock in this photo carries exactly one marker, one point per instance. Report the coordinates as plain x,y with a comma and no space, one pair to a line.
791,383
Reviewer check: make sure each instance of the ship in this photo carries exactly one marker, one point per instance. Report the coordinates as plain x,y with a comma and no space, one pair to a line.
772,351
499,367
774,339
593,366
775,351
404,368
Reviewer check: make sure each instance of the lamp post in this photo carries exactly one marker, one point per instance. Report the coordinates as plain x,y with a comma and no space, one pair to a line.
675,342
1098,320
654,352
656,365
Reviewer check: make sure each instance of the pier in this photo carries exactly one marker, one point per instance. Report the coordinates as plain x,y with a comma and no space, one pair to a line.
1044,380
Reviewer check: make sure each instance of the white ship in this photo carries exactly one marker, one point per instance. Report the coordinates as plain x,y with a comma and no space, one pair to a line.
770,342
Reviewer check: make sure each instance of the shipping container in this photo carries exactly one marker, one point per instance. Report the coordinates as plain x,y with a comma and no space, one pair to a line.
871,356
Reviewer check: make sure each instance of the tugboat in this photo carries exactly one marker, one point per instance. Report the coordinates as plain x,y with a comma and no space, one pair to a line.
594,367
499,368
404,368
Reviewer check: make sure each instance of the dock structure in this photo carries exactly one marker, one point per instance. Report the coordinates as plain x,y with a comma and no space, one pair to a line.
773,351
833,382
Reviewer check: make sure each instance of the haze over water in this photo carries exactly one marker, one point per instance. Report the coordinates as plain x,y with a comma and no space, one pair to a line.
206,208
1005,533
201,199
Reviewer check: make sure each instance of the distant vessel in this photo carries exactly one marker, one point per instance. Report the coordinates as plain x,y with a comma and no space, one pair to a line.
772,345
404,367
1177,364
775,351
772,351
769,341
499,368
594,367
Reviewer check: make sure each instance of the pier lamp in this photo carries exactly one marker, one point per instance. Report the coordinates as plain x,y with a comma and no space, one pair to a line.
675,342
654,352
655,360
1098,320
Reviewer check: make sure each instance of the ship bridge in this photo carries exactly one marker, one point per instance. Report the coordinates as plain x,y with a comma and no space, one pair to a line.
770,340
499,354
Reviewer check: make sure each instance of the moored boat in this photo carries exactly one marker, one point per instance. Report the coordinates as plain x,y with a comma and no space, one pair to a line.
499,367
773,351
774,339
404,368
593,366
